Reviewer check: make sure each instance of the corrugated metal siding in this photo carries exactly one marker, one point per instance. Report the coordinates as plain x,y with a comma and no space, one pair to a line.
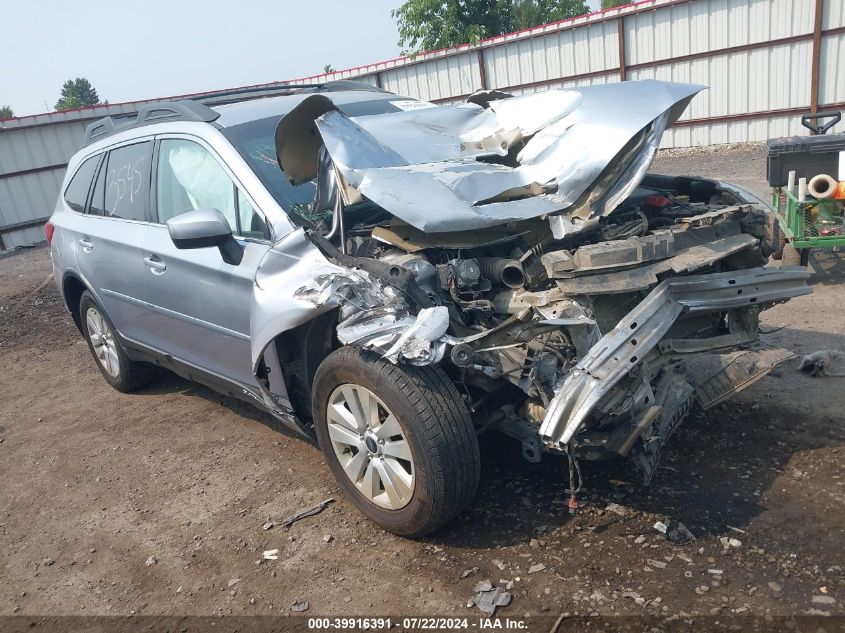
832,70
438,79
750,81
36,147
656,33
676,40
590,49
28,197
45,143
834,14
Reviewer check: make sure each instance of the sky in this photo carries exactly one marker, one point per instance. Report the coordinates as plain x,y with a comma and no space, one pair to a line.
157,48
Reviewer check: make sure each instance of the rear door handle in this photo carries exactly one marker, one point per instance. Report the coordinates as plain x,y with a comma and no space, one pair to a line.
154,263
86,243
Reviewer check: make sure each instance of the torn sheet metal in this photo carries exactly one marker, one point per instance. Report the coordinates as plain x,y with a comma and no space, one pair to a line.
379,319
395,334
642,329
418,343
351,286
558,150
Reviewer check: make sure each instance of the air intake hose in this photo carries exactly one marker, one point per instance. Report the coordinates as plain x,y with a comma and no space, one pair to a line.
502,270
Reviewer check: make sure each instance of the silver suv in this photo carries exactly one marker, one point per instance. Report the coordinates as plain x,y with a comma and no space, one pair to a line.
394,278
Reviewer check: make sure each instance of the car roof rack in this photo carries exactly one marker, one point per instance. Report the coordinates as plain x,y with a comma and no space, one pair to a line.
183,110
197,108
237,95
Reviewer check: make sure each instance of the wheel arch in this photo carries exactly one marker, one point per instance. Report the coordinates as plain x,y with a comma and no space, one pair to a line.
294,355
72,289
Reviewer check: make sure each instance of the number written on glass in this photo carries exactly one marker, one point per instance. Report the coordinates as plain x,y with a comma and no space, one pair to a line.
125,182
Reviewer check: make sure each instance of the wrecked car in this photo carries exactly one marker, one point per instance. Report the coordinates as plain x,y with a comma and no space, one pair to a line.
395,278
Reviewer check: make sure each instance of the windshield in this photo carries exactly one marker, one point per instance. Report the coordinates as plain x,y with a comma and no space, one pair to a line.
255,141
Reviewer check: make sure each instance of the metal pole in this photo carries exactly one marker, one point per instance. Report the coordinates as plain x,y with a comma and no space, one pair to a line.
482,72
817,54
620,31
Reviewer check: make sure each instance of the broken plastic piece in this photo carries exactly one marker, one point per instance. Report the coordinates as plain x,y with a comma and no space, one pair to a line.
307,512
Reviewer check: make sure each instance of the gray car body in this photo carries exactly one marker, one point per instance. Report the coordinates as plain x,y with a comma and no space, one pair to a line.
207,319
216,322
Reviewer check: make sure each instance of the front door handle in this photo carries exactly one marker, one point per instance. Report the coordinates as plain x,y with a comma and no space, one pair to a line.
154,263
86,243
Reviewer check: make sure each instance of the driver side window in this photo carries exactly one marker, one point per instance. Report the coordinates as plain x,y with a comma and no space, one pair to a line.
189,177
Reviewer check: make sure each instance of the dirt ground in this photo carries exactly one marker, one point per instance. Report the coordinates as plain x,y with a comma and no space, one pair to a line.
153,503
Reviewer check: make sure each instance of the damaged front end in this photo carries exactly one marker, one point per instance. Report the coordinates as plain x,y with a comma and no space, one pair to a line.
580,305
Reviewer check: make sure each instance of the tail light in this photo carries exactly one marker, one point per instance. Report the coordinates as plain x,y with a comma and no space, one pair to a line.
49,228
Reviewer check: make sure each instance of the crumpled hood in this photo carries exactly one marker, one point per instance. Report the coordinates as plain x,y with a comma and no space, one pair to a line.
463,167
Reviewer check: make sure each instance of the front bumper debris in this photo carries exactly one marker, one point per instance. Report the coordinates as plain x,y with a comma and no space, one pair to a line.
637,334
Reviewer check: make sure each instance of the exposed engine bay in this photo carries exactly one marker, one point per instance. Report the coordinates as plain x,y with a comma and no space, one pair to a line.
590,315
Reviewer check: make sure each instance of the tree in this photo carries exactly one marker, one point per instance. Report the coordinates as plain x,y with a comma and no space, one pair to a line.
328,68
77,93
6,112
528,13
432,24
609,4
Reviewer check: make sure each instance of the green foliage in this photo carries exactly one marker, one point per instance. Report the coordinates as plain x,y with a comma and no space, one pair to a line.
6,112
528,13
609,4
431,24
77,93
328,68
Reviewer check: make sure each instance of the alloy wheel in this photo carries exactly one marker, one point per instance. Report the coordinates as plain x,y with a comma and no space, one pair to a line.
102,340
371,446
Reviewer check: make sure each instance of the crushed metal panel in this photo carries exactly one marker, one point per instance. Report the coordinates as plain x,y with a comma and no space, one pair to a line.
579,149
417,343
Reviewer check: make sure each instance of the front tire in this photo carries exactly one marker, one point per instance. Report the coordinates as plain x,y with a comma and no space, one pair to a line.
398,439
117,368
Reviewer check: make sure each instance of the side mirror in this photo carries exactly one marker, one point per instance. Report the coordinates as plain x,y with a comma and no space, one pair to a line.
203,228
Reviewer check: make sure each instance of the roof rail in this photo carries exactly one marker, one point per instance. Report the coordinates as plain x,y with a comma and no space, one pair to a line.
351,84
197,108
259,91
238,95
184,110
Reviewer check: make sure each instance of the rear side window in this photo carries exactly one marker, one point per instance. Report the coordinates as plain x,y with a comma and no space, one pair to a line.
76,193
127,181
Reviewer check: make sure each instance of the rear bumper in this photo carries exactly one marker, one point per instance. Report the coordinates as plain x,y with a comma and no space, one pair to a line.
621,350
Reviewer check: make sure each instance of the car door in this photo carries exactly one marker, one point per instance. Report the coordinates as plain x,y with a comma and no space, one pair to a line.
199,304
108,235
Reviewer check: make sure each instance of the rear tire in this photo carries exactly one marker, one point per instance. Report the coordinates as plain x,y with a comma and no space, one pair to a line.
443,462
117,368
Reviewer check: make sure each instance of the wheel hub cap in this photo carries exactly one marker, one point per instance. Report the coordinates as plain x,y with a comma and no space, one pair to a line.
371,446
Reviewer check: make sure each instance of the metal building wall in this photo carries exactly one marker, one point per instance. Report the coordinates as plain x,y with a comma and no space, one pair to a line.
756,56
766,63
34,152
